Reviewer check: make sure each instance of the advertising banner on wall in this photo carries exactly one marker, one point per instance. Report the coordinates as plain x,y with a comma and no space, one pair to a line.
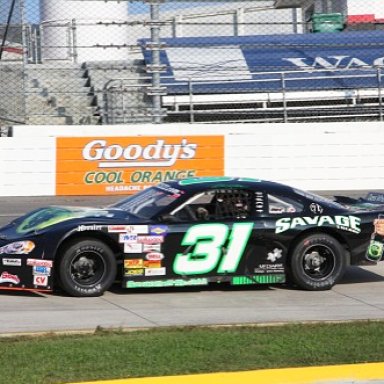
126,165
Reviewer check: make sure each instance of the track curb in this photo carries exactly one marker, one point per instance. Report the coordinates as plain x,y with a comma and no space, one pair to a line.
335,374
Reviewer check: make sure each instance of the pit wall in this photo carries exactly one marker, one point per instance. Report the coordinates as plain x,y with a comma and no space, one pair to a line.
53,160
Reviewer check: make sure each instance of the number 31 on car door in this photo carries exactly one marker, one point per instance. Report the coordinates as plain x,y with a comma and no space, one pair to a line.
212,247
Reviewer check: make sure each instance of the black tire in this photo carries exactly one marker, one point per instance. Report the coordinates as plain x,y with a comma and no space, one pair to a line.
317,262
87,268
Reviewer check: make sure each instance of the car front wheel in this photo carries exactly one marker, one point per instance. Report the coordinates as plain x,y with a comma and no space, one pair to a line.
87,268
317,262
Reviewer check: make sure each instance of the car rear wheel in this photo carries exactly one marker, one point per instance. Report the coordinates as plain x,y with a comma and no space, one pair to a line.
317,262
87,268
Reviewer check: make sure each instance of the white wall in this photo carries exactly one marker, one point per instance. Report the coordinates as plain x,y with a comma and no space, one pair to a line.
318,156
27,166
359,7
333,160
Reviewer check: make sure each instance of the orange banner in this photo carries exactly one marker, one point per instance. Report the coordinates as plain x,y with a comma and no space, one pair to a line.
126,165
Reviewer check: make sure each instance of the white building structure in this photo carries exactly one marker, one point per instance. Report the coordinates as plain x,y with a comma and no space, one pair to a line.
84,30
95,30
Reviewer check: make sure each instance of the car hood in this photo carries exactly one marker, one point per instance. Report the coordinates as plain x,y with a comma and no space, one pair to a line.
44,218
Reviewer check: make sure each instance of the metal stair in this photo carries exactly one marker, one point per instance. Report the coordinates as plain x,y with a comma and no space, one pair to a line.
120,88
12,108
59,94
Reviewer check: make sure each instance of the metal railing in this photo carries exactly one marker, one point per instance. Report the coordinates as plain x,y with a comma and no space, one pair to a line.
66,50
269,96
120,101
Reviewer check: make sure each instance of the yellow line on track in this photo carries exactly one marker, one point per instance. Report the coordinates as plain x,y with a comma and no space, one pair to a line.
351,373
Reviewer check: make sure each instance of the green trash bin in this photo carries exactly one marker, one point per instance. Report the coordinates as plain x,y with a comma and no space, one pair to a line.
327,22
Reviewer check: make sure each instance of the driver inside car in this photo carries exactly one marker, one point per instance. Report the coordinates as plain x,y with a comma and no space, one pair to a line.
202,214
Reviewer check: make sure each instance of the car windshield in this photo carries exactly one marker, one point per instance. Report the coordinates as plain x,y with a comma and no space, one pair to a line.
150,202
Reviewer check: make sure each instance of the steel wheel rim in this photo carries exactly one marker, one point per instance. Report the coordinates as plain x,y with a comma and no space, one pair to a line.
319,261
87,268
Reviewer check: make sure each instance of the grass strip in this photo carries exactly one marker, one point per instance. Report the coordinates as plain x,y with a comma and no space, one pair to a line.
171,351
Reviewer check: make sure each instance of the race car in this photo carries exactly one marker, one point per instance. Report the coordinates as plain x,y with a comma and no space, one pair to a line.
194,232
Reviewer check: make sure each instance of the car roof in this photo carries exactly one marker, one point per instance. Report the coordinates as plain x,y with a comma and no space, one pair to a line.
201,183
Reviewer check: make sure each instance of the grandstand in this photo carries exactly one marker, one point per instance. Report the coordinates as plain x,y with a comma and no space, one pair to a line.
232,61
326,80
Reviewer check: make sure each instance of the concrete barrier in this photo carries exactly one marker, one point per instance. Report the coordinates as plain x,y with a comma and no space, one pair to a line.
315,156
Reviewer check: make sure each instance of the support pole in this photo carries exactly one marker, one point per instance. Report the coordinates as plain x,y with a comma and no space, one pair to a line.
155,68
9,19
155,37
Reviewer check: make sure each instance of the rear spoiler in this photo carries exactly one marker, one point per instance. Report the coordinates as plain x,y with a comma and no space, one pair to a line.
372,197
375,198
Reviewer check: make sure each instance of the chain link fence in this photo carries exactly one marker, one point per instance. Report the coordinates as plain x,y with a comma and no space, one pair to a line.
118,62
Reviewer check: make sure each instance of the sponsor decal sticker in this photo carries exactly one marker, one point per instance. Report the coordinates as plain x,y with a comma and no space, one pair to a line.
259,202
345,223
39,263
40,280
12,262
270,268
7,277
127,238
316,208
167,283
39,270
151,247
92,227
150,239
133,248
275,255
117,228
155,271
18,248
165,187
133,263
152,264
258,279
134,272
154,256
128,229
158,229
137,229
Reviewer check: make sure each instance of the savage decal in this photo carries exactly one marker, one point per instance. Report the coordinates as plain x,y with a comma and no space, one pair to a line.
346,223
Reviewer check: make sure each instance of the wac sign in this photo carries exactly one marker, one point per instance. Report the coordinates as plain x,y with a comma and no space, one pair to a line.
126,165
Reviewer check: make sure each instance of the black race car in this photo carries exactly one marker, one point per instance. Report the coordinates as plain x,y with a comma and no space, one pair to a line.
193,232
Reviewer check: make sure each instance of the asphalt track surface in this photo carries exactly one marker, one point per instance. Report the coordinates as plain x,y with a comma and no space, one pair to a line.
359,296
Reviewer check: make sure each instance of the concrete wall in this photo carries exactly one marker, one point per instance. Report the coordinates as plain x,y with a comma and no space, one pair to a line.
27,166
318,156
